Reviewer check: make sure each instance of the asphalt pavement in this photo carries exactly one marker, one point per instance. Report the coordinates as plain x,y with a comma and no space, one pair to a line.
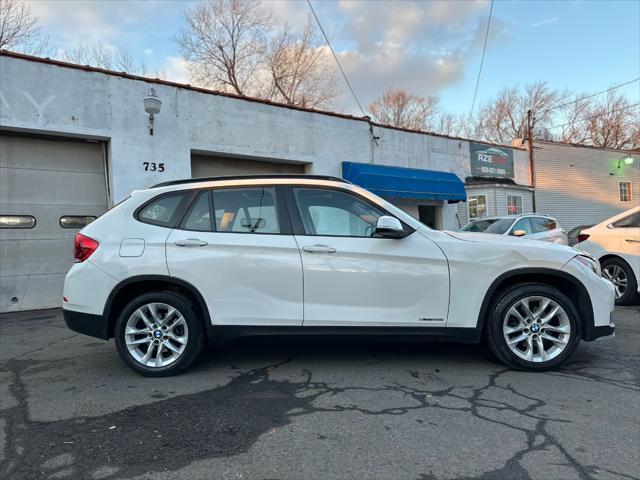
70,409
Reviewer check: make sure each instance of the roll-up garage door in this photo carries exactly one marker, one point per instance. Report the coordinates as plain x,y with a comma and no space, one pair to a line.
209,166
48,190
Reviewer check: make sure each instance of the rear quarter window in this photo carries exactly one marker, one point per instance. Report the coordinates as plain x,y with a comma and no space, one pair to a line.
165,210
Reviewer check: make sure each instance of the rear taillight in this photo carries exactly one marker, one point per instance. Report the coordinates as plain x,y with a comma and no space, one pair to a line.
582,237
83,247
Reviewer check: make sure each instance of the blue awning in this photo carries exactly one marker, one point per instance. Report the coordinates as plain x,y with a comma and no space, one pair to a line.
400,182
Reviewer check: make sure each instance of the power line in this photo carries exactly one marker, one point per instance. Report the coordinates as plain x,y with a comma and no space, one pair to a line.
336,58
595,115
484,49
542,112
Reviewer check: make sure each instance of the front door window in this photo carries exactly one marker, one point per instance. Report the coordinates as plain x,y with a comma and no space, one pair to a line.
333,213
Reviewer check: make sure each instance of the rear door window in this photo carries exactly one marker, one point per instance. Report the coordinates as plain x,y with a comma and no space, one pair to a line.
246,210
199,216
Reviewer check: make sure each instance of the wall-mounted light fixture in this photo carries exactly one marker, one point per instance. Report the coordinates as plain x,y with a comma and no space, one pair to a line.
626,161
152,106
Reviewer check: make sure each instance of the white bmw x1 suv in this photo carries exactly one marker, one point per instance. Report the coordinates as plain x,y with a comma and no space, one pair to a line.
187,262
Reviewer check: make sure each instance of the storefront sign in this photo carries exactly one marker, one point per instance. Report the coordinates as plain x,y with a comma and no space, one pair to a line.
488,161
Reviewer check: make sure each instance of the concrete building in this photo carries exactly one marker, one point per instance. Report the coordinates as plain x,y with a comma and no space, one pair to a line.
75,140
583,185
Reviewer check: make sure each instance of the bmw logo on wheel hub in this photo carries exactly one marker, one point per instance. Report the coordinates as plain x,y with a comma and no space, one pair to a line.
535,327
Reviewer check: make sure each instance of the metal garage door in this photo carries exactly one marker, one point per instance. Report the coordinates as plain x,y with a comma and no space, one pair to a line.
46,188
205,166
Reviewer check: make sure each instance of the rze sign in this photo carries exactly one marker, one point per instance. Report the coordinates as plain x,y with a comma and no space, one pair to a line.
487,161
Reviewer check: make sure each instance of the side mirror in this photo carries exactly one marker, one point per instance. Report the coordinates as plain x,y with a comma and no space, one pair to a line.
519,233
390,227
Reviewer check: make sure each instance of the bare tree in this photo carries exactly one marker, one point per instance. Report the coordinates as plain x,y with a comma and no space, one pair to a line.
19,28
452,124
613,123
568,119
505,118
299,74
399,108
225,43
101,56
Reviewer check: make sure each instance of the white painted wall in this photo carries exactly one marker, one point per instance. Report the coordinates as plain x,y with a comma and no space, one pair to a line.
46,98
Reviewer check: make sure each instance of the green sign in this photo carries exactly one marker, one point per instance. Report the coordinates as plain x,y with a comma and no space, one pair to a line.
490,161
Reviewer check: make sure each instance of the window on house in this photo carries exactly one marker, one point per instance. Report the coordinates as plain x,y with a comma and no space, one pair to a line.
477,206
514,204
624,190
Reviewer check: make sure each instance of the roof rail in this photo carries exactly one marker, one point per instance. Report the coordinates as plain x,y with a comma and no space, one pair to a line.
187,181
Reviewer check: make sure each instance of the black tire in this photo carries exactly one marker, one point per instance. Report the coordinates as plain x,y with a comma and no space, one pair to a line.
630,296
502,304
196,334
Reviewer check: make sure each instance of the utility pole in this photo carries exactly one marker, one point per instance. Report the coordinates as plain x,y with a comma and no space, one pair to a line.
531,165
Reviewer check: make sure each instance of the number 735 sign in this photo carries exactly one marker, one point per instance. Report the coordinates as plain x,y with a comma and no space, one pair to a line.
153,167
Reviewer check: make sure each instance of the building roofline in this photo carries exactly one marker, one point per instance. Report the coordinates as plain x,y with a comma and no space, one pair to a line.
186,86
582,145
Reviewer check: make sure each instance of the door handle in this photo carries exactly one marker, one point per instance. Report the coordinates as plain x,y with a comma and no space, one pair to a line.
191,242
318,249
631,240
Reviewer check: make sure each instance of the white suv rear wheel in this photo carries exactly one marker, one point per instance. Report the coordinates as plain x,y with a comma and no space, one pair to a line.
159,334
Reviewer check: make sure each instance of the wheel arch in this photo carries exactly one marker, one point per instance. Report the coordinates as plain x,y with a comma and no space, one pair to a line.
613,256
132,287
548,276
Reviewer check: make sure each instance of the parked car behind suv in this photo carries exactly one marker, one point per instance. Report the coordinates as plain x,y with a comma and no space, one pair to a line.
188,262
531,226
574,234
616,244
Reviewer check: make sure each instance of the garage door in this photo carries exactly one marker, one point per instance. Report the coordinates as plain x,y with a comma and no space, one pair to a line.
205,166
48,190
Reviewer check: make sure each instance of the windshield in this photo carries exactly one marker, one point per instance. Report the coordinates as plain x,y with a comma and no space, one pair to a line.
478,225
499,226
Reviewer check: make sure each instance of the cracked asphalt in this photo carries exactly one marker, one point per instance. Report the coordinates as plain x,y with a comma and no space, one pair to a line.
70,409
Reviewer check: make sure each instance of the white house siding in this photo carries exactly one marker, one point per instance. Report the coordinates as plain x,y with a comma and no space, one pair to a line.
579,185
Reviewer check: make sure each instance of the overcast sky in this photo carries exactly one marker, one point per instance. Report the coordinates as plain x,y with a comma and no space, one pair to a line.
427,47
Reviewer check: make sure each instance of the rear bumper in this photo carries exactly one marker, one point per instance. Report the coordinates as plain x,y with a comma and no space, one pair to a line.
86,323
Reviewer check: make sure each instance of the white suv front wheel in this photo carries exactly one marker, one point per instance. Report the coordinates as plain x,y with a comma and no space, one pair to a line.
533,327
159,334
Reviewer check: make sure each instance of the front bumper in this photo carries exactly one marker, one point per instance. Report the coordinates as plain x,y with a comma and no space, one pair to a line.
601,301
592,332
87,323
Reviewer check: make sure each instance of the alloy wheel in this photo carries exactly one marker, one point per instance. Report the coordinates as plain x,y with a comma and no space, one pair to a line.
536,329
616,275
156,335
